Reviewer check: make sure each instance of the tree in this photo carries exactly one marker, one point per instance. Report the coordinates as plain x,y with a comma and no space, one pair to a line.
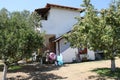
98,30
18,36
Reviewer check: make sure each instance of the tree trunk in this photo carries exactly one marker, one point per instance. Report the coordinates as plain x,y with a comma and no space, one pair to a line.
113,67
4,72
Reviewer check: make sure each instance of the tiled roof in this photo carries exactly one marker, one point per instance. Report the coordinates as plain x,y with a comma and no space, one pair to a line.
60,6
48,6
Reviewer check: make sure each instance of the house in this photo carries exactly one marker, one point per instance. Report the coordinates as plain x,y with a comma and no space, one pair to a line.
56,21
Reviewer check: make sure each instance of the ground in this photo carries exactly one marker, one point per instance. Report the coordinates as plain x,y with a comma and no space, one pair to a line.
75,71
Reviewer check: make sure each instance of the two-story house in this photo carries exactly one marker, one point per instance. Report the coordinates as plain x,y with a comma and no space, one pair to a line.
56,21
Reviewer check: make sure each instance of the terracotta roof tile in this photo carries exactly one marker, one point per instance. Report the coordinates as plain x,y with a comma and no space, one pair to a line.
48,6
60,6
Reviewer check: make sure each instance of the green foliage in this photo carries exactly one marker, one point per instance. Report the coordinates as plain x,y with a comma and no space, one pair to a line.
18,35
15,67
106,72
35,19
98,30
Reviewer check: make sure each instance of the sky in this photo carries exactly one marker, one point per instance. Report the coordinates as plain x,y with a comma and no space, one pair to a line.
31,5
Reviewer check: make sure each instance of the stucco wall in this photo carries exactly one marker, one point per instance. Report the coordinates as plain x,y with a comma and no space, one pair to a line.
68,53
59,21
91,55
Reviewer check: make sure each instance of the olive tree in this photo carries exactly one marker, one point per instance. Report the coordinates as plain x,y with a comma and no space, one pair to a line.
98,30
18,36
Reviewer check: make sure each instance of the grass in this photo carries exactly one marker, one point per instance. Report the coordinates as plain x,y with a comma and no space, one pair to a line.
12,68
15,67
106,72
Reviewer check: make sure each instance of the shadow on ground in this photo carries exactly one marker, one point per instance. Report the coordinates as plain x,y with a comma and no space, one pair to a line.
38,76
105,74
36,72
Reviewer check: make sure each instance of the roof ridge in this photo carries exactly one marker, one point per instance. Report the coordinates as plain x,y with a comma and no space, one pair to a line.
49,5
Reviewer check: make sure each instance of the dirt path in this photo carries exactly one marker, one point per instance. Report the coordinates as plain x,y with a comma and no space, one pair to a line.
78,71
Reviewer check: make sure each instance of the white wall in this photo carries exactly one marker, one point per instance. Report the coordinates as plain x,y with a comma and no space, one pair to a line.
91,55
68,53
59,21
